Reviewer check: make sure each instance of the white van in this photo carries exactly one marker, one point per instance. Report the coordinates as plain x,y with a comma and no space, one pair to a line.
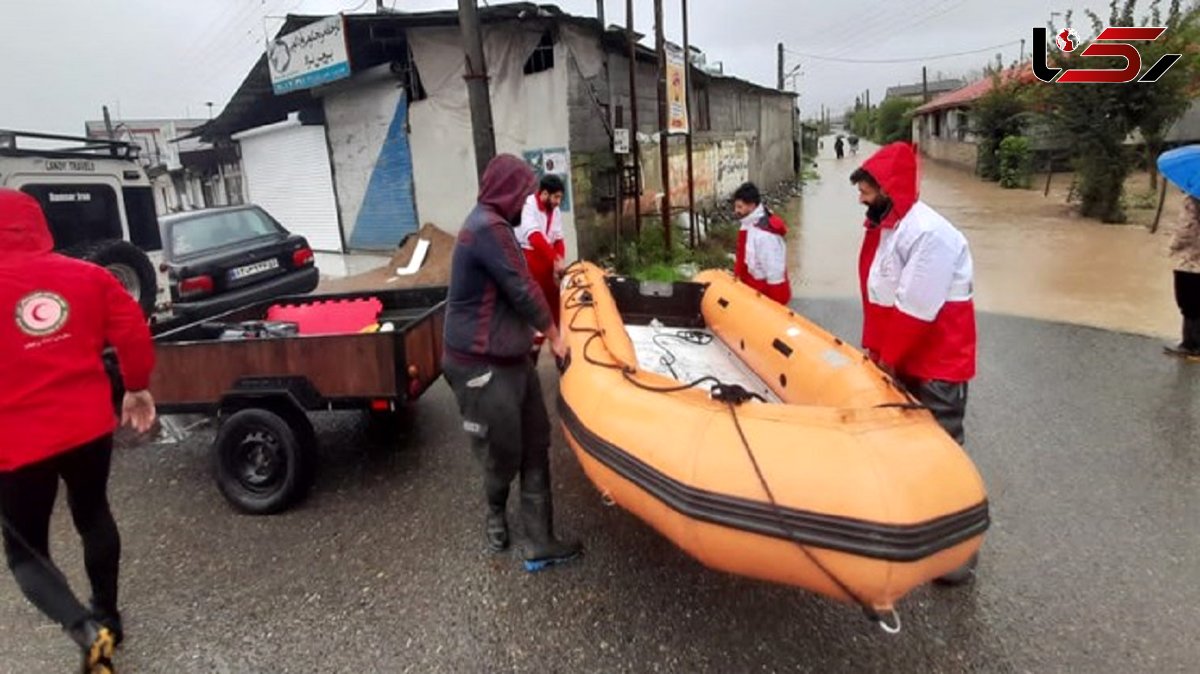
99,204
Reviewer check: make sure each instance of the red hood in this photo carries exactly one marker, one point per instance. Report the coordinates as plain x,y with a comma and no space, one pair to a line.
776,224
505,185
23,228
894,167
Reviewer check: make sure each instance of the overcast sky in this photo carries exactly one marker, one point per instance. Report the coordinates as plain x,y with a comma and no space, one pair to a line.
61,60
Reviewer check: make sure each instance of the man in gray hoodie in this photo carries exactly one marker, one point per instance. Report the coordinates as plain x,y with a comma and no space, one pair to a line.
493,309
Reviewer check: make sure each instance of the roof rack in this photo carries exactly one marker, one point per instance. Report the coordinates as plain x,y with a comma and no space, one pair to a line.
78,146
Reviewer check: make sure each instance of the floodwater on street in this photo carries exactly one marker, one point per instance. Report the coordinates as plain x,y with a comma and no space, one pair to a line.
1033,256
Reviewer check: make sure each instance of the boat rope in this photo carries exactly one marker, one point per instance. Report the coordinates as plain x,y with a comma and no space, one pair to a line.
695,337
871,612
732,395
627,372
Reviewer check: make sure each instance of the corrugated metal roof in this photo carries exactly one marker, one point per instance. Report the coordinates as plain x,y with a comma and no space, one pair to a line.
256,104
940,86
966,95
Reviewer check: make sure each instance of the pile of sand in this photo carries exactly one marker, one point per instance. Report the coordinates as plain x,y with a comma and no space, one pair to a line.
435,271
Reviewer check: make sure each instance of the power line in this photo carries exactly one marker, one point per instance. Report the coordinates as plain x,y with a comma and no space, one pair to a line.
907,28
838,26
818,57
898,26
875,26
877,18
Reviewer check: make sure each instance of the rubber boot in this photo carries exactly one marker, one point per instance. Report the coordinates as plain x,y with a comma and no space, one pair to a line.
496,524
1189,347
97,644
542,549
110,618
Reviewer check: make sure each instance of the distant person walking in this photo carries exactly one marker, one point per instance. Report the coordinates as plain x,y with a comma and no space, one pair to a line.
839,147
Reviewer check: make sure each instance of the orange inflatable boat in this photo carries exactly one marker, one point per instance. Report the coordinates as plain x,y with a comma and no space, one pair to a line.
759,443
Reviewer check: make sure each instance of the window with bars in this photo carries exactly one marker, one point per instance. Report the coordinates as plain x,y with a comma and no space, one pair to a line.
542,58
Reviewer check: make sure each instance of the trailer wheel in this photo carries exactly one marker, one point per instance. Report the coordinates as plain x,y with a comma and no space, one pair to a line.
262,464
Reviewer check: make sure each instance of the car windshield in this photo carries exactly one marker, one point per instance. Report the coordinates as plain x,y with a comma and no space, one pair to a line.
209,232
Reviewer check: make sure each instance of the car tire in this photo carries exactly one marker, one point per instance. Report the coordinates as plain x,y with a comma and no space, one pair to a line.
263,464
129,264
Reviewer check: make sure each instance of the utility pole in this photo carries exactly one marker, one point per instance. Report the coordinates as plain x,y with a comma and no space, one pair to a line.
779,59
1022,50
924,85
108,124
687,96
868,113
478,96
612,119
663,122
635,146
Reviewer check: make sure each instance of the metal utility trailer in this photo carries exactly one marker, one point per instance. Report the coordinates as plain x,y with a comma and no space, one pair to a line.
261,390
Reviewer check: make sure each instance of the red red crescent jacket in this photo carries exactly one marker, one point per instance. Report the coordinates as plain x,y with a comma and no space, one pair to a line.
541,237
916,278
761,258
56,316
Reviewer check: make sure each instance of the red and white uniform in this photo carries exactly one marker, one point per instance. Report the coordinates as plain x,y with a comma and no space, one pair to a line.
761,261
916,277
56,316
541,237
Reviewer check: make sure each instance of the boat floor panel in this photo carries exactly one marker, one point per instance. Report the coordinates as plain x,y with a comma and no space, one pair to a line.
687,354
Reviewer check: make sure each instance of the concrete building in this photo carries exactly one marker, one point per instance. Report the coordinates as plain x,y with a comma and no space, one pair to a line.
942,128
185,174
359,162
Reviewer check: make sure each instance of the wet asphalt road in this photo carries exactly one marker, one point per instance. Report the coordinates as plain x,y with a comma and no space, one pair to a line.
1088,441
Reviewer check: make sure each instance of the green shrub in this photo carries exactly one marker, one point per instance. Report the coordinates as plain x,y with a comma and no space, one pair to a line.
1016,163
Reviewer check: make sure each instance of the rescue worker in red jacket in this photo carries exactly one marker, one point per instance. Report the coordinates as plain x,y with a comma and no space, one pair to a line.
57,315
916,278
541,237
761,260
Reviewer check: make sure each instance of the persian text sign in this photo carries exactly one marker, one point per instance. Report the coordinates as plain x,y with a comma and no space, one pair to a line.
313,55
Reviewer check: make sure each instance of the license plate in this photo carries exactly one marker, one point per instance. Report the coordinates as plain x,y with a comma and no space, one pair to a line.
240,273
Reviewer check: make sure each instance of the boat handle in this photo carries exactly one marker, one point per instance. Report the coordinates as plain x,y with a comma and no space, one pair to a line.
892,627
